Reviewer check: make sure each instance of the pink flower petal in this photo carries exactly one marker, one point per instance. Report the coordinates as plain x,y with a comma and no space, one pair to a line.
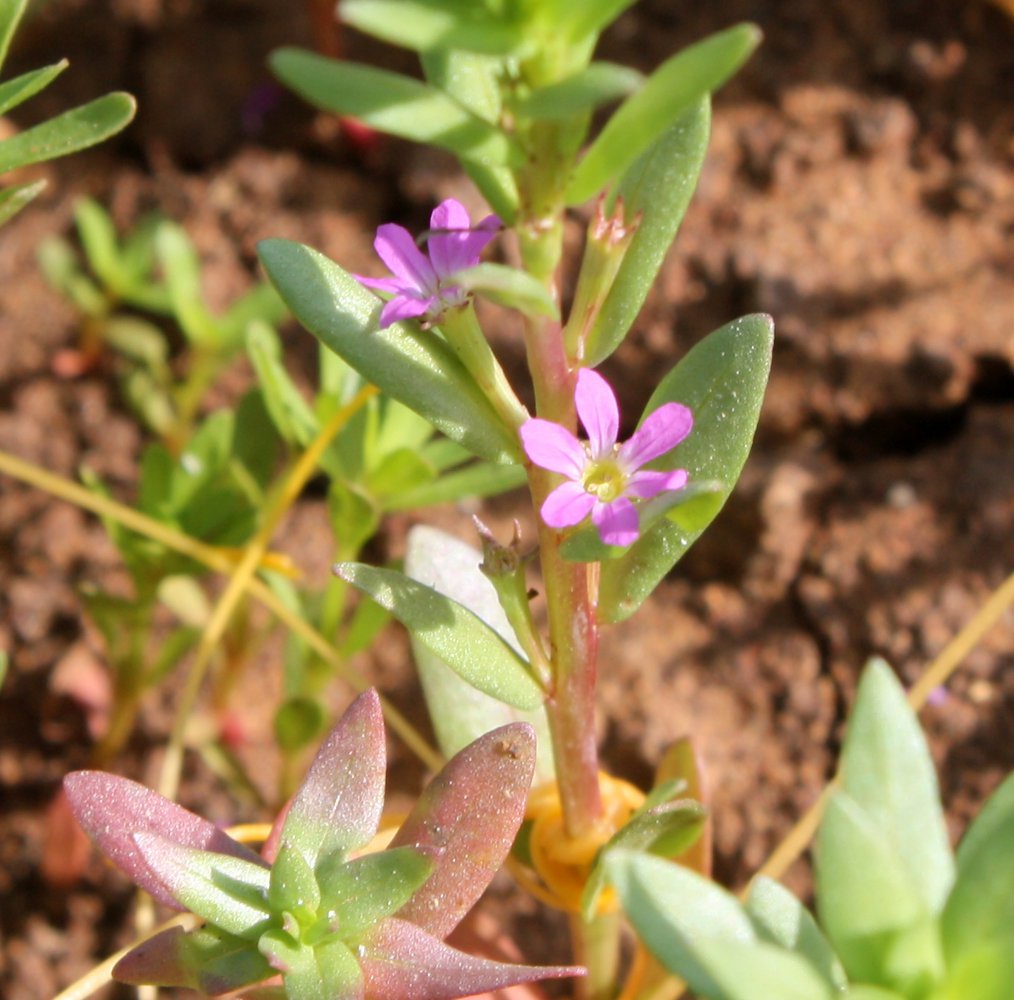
458,243
646,484
661,431
402,960
393,285
405,307
567,505
474,242
553,447
596,406
397,249
617,522
450,224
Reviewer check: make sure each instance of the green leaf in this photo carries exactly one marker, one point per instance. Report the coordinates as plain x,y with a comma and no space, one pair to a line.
329,970
140,341
149,399
61,269
354,517
67,133
479,479
722,380
182,269
171,651
677,85
585,18
750,971
98,237
778,917
673,909
509,287
878,993
472,81
398,427
255,444
229,892
11,12
394,104
412,366
18,90
444,454
865,894
205,959
983,972
599,83
888,772
364,891
657,188
460,713
423,25
681,765
461,639
367,621
299,721
261,304
981,905
14,198
293,887
205,456
665,829
401,469
290,412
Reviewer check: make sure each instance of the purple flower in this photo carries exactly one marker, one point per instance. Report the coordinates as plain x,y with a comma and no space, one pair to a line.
603,477
424,286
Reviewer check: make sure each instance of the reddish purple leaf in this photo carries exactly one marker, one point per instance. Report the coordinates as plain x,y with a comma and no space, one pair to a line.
338,806
112,809
161,960
204,959
401,960
465,822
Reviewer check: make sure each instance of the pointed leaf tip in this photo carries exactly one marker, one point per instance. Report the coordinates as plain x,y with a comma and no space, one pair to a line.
112,809
465,822
402,960
338,806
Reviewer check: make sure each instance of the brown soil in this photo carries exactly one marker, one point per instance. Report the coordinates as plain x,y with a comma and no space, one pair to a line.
859,188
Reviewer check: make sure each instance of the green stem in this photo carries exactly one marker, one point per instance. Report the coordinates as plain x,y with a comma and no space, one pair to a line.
461,328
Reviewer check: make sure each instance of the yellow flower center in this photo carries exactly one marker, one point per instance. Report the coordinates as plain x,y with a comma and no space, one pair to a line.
605,479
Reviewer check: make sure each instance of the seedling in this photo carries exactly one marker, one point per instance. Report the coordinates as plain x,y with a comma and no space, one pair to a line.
329,912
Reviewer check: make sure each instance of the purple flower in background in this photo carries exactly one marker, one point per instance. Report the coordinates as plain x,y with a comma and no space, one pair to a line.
421,285
602,476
